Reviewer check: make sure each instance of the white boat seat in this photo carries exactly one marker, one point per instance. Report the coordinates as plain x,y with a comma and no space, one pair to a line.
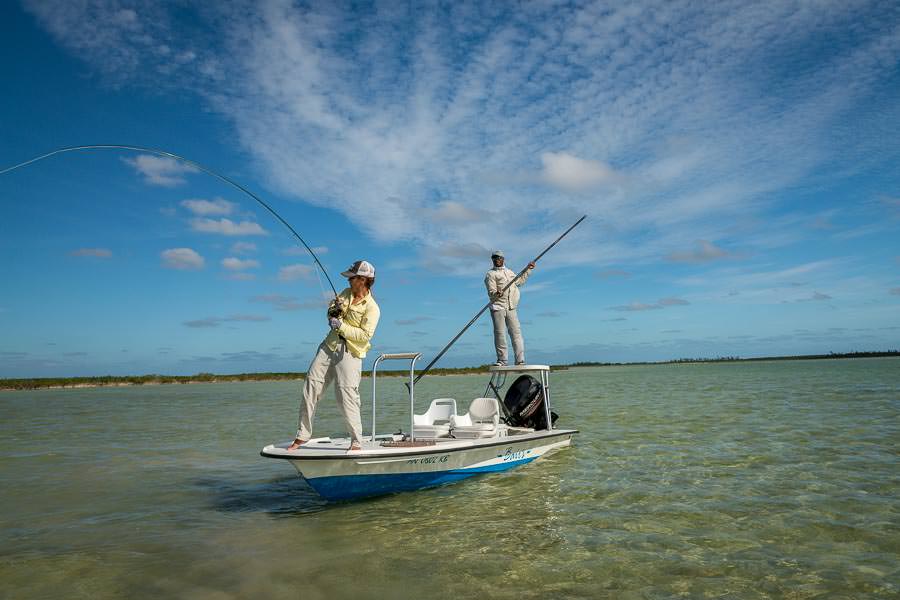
482,420
436,420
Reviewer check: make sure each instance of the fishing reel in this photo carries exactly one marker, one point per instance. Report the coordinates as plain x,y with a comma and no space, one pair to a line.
336,310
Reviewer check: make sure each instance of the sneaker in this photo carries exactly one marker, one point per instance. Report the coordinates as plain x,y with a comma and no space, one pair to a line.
520,363
499,364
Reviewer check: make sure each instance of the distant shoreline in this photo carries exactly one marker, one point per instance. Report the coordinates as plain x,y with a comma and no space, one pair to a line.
135,380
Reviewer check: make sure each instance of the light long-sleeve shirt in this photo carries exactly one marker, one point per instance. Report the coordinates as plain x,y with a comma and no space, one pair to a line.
358,324
496,279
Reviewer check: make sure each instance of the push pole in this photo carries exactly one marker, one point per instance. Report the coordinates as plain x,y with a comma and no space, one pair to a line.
486,306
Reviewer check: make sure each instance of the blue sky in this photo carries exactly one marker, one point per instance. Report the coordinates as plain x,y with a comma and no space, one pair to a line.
737,163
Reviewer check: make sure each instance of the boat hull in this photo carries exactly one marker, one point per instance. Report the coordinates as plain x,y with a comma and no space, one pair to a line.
377,470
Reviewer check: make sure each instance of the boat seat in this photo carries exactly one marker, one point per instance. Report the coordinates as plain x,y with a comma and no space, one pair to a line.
436,420
482,420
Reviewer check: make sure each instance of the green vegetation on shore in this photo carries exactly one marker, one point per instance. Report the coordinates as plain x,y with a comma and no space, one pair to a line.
111,380
739,359
125,380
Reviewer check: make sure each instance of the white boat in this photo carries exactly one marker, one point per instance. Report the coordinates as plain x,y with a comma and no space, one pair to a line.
442,446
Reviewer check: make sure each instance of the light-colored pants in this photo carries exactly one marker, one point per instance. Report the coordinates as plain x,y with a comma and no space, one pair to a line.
345,370
503,320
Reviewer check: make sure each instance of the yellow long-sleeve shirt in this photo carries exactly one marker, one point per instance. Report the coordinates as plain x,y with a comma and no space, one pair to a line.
358,324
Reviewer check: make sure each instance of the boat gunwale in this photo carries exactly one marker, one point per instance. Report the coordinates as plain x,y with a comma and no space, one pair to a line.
425,450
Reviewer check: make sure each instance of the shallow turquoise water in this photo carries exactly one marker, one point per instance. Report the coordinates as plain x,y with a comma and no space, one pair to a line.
740,480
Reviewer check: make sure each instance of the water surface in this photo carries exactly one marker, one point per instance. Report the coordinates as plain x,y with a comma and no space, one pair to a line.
735,480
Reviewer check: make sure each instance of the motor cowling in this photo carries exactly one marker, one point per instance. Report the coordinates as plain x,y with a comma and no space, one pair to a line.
524,403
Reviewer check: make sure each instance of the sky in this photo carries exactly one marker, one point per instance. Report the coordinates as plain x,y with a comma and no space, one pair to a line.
737,163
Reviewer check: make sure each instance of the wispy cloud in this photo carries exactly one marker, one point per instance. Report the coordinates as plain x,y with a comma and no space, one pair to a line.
290,303
158,170
455,213
182,259
295,272
411,111
703,251
610,273
413,321
658,305
672,302
816,297
299,250
243,248
636,307
210,322
92,252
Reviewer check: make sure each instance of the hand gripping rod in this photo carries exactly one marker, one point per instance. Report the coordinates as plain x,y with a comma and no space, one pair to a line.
486,306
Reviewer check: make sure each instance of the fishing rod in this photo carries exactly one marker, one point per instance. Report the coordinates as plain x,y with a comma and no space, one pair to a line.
194,164
486,306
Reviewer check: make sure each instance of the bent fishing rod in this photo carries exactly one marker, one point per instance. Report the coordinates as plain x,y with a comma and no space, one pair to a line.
486,306
194,164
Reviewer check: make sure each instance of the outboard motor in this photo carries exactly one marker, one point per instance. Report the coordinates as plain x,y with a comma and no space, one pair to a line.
524,403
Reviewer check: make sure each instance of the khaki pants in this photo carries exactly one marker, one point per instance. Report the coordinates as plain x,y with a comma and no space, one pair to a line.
345,370
503,320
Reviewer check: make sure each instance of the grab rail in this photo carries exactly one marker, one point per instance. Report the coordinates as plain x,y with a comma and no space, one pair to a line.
412,357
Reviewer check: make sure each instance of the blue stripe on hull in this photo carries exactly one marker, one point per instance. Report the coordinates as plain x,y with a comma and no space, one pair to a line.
348,487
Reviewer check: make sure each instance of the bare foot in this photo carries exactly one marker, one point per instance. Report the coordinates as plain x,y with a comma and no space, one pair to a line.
355,446
296,444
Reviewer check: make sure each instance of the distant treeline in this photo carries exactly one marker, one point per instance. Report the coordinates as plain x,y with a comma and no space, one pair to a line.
739,359
112,380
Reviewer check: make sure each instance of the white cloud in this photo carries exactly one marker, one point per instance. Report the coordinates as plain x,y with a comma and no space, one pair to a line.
452,212
709,111
574,174
227,227
182,259
92,252
206,208
158,170
243,247
295,272
236,264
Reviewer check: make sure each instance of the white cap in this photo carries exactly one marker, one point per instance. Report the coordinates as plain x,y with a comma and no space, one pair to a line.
360,268
497,253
